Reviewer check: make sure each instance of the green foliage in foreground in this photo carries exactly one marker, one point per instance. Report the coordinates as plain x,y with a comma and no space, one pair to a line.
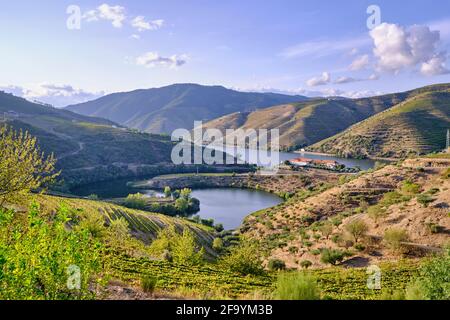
296,286
181,248
23,167
40,257
434,280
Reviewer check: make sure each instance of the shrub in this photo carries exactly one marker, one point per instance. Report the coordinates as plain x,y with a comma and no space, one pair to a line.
376,212
296,286
135,201
92,197
305,264
424,200
148,284
276,265
410,188
326,229
333,257
218,244
181,247
360,247
434,228
394,238
433,281
39,256
336,238
244,259
293,250
392,198
357,229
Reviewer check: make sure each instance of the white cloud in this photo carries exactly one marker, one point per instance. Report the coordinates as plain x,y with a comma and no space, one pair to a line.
152,59
374,77
135,36
398,48
324,79
360,63
141,24
54,94
326,92
342,80
115,14
435,66
324,48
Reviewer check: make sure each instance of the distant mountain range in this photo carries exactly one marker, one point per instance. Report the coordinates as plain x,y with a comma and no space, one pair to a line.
162,110
79,141
415,126
306,123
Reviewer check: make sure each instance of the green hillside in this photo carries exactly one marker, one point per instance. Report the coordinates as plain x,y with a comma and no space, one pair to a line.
413,127
305,123
162,110
80,142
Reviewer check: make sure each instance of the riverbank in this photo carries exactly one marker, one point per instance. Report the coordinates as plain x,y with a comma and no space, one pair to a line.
321,154
285,182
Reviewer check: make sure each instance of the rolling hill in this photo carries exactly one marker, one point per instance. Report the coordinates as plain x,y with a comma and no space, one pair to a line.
162,110
414,127
80,142
306,123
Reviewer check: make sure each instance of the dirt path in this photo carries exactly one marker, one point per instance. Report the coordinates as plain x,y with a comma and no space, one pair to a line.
73,153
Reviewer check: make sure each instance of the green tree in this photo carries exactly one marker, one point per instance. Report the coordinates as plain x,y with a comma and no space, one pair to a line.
244,259
135,201
182,248
167,192
23,167
185,193
333,257
394,238
357,229
182,205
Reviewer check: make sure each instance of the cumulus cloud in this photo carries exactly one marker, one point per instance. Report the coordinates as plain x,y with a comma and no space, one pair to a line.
115,14
141,24
397,48
324,79
342,80
360,63
326,92
54,94
435,66
153,59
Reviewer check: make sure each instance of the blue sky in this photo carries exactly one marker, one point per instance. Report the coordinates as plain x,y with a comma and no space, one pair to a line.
303,47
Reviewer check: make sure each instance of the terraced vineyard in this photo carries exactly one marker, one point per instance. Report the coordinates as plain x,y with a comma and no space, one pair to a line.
414,127
213,281
143,225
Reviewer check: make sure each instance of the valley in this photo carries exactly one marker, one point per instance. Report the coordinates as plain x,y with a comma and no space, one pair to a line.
248,228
